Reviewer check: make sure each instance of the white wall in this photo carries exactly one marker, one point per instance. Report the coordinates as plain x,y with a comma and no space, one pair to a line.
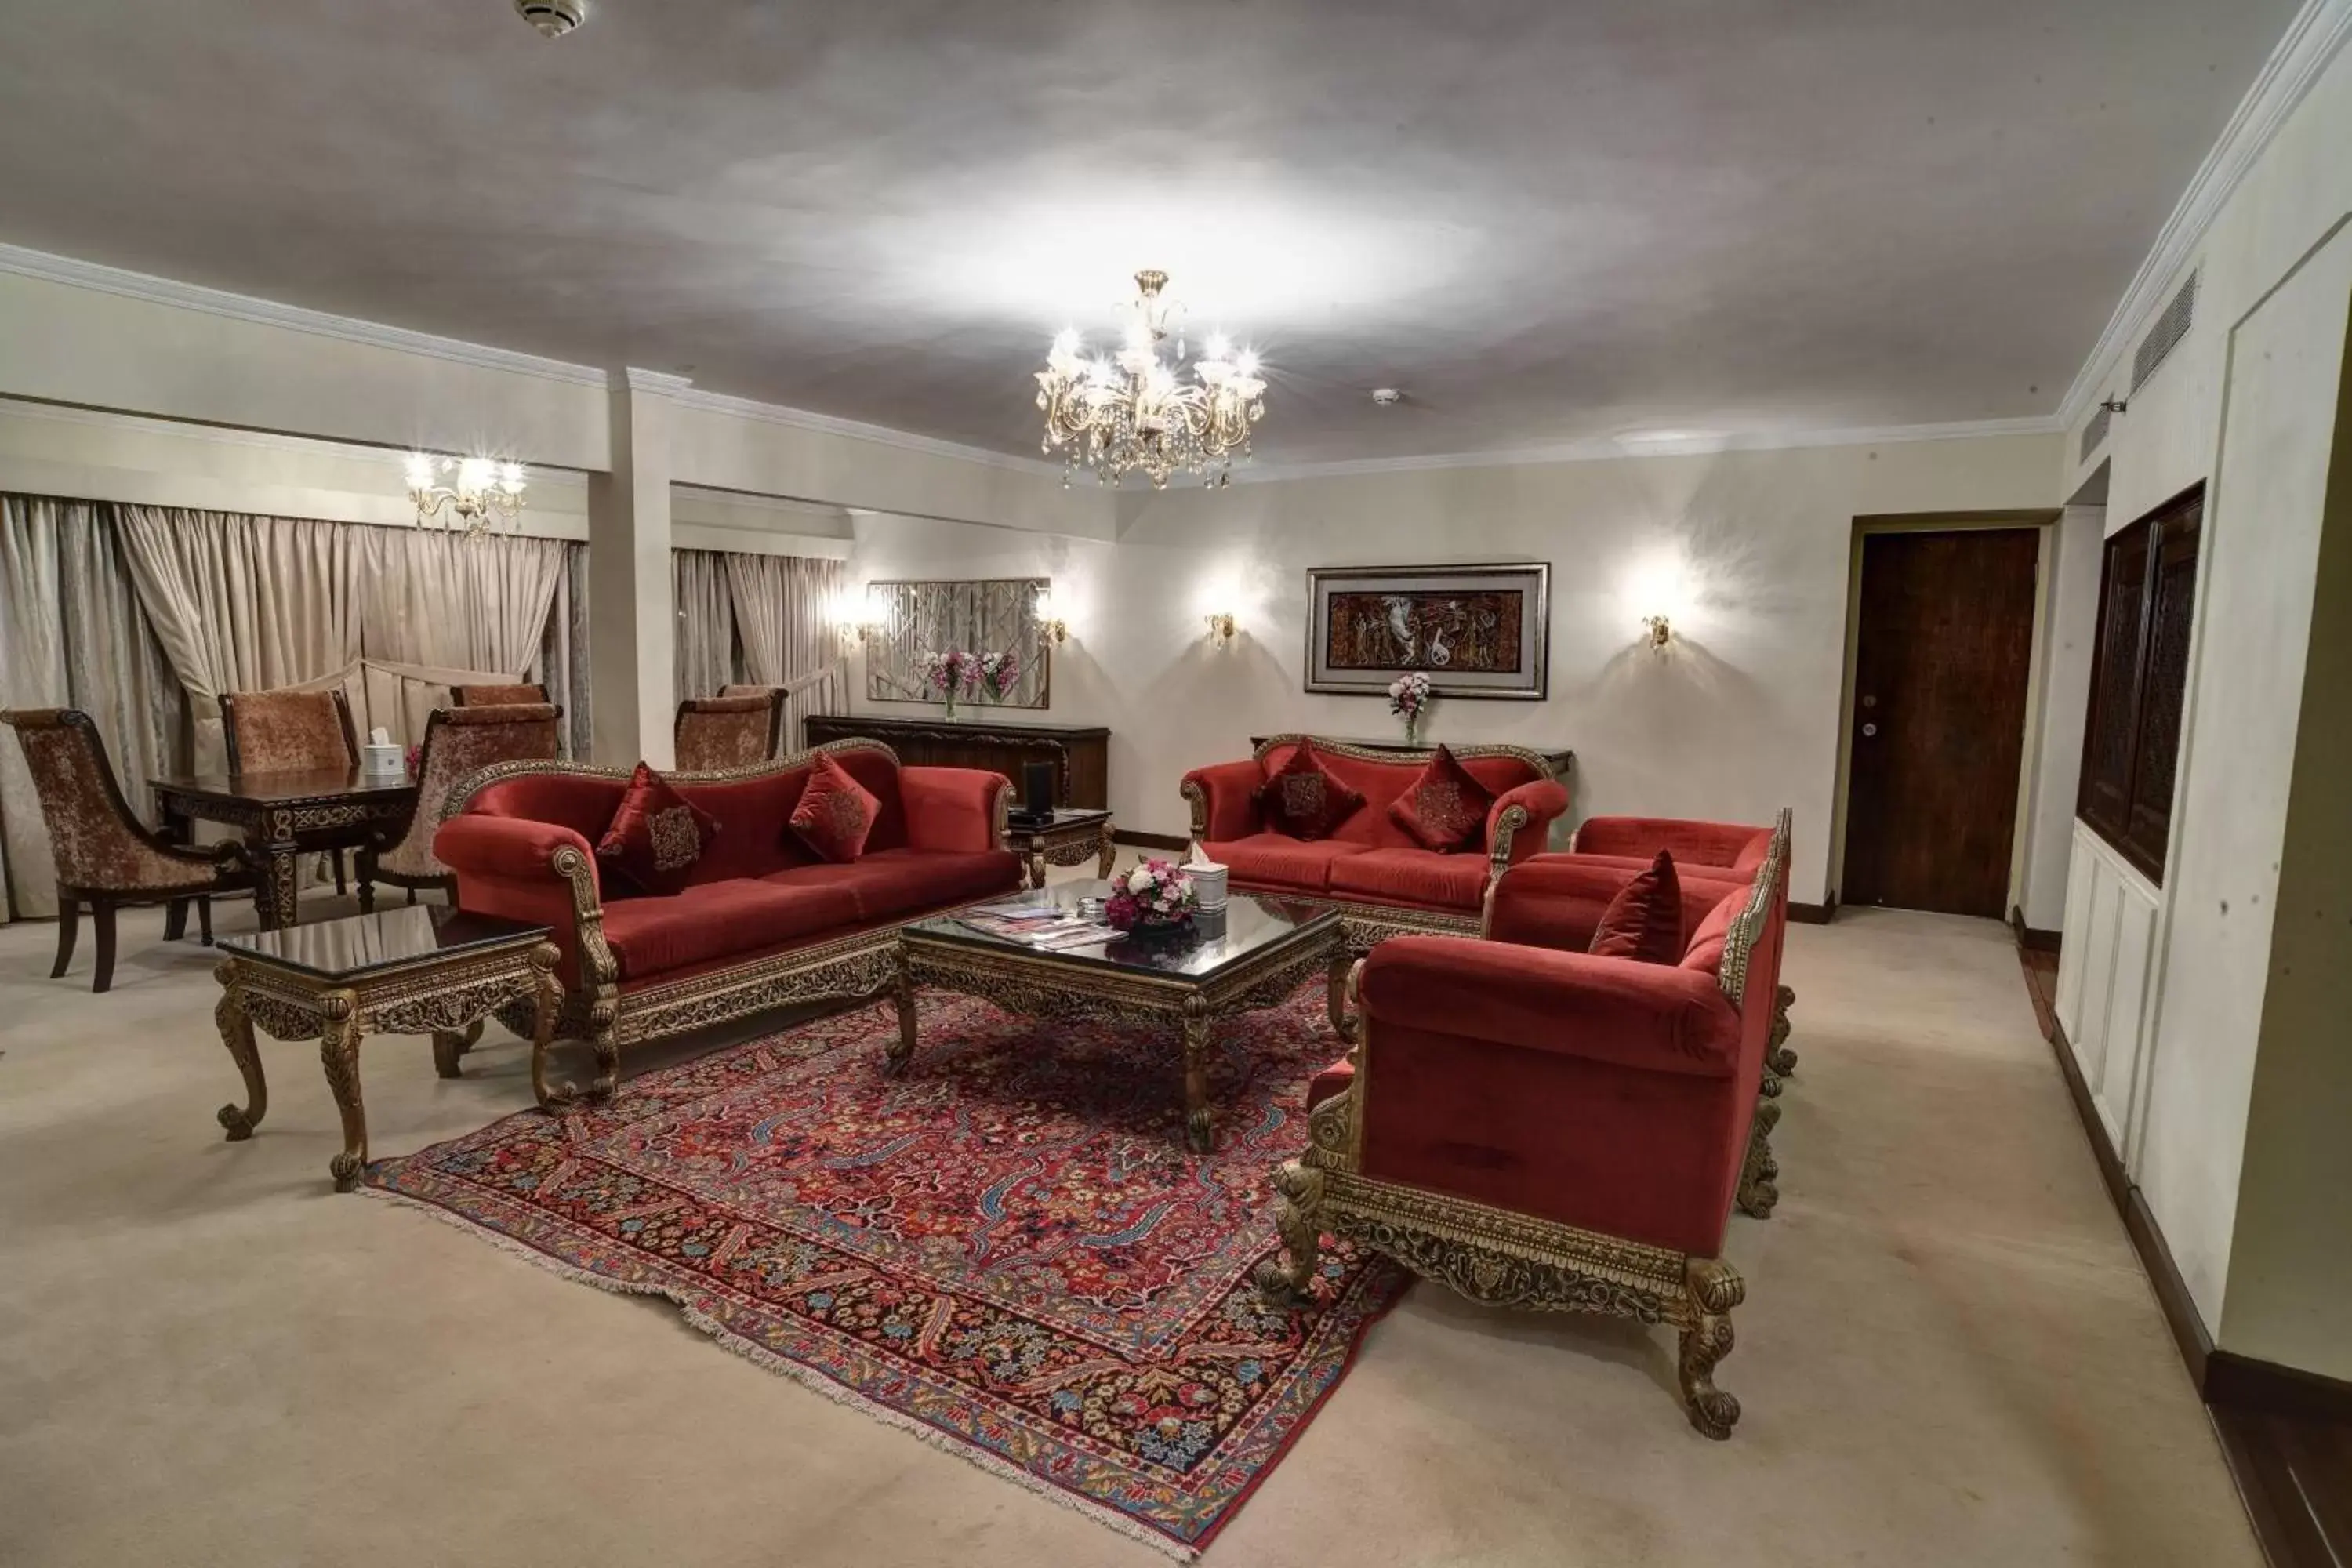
2260,363
1747,551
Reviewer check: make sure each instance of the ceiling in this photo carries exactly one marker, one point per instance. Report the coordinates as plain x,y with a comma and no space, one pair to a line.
1545,220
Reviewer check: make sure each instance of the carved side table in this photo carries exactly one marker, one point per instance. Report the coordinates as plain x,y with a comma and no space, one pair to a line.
419,969
1075,836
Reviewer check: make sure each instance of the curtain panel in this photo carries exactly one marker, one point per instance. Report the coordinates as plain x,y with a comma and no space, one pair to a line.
72,634
783,616
706,656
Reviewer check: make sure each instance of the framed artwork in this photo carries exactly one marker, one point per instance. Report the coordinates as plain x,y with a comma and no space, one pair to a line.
993,615
1475,631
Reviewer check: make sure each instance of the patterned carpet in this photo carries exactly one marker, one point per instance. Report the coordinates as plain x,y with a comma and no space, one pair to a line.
1007,1249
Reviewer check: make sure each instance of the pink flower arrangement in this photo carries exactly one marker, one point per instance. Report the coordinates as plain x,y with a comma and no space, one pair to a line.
1157,893
953,674
1409,696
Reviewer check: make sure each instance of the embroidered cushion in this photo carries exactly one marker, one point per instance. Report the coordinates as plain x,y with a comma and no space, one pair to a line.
1644,920
1303,800
656,837
1444,808
836,813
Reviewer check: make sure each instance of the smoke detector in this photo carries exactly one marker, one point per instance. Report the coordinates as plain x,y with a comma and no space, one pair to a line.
1387,397
553,18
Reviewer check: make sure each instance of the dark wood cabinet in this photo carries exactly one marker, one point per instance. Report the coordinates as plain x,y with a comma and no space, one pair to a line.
2140,679
1080,753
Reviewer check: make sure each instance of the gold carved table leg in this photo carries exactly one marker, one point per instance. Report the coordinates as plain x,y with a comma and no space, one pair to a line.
1200,1122
1034,862
339,1054
449,1045
1339,992
1107,853
548,1002
902,990
236,1034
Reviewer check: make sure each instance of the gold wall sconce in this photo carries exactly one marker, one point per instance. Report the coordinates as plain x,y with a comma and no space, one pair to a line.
1222,628
1051,627
858,622
1660,632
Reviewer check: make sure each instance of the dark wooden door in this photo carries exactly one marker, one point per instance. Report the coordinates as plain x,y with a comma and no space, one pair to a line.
1941,666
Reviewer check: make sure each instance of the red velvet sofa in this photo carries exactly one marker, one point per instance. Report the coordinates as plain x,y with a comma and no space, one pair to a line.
1381,881
1537,1126
763,921
1722,850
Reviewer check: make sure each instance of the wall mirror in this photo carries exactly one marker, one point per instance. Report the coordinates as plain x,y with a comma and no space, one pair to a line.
996,615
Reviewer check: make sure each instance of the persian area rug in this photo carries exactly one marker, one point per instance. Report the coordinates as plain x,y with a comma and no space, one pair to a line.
1007,1249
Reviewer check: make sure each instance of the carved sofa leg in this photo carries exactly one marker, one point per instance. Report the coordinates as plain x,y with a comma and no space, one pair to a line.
1714,1287
1777,1053
1298,1223
1758,1192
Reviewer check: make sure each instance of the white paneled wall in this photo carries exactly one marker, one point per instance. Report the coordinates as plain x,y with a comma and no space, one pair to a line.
2103,980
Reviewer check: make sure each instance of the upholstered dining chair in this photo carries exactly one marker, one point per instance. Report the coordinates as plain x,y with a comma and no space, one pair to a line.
497,696
105,856
289,732
728,731
458,742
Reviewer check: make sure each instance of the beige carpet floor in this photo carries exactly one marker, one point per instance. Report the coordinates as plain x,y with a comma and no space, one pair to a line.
1948,1355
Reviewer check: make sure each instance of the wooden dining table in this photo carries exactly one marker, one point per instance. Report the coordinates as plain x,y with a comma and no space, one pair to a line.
282,817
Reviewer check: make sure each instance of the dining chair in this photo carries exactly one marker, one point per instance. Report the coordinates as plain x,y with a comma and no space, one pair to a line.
105,856
497,696
458,742
715,733
290,732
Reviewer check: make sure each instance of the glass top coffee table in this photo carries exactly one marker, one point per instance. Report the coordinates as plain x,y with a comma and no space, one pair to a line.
1252,954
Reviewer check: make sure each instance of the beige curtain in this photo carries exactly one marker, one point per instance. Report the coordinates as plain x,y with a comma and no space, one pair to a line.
243,603
781,605
705,657
72,635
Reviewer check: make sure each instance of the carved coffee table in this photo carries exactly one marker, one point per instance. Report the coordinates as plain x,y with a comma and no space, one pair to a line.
419,969
1075,835
1252,954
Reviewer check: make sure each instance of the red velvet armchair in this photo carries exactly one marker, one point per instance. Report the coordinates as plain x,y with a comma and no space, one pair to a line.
761,923
1537,1126
1383,882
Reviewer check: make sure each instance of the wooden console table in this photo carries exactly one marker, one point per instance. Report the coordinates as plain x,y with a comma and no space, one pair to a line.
1080,753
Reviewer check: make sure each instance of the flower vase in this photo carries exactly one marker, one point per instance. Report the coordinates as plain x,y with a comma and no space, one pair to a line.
951,701
1412,729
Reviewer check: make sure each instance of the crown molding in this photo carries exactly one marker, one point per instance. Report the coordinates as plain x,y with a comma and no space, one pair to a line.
544,476
857,430
632,379
2309,45
1606,449
269,313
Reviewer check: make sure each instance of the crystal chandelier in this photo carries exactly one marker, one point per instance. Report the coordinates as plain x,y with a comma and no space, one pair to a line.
483,487
1130,411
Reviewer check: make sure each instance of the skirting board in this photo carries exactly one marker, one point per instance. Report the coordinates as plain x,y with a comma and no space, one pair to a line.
2033,939
1813,915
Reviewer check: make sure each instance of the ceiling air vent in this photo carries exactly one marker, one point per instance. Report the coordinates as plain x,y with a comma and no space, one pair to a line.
2095,431
2169,329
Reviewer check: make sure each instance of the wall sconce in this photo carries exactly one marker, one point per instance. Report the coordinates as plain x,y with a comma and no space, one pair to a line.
484,486
860,624
1050,627
1661,631
1222,628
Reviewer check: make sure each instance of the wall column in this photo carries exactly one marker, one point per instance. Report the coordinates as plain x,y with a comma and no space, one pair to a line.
632,650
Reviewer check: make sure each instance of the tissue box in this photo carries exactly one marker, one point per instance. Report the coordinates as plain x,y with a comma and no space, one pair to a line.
379,761
1208,885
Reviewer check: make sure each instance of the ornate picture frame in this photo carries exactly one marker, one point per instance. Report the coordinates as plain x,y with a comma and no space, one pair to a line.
1475,631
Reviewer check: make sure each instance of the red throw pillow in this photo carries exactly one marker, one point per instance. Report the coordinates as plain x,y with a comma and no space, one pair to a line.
1302,799
836,813
1644,920
1444,808
656,835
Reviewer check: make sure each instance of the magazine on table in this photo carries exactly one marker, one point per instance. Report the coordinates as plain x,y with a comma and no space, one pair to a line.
1058,930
